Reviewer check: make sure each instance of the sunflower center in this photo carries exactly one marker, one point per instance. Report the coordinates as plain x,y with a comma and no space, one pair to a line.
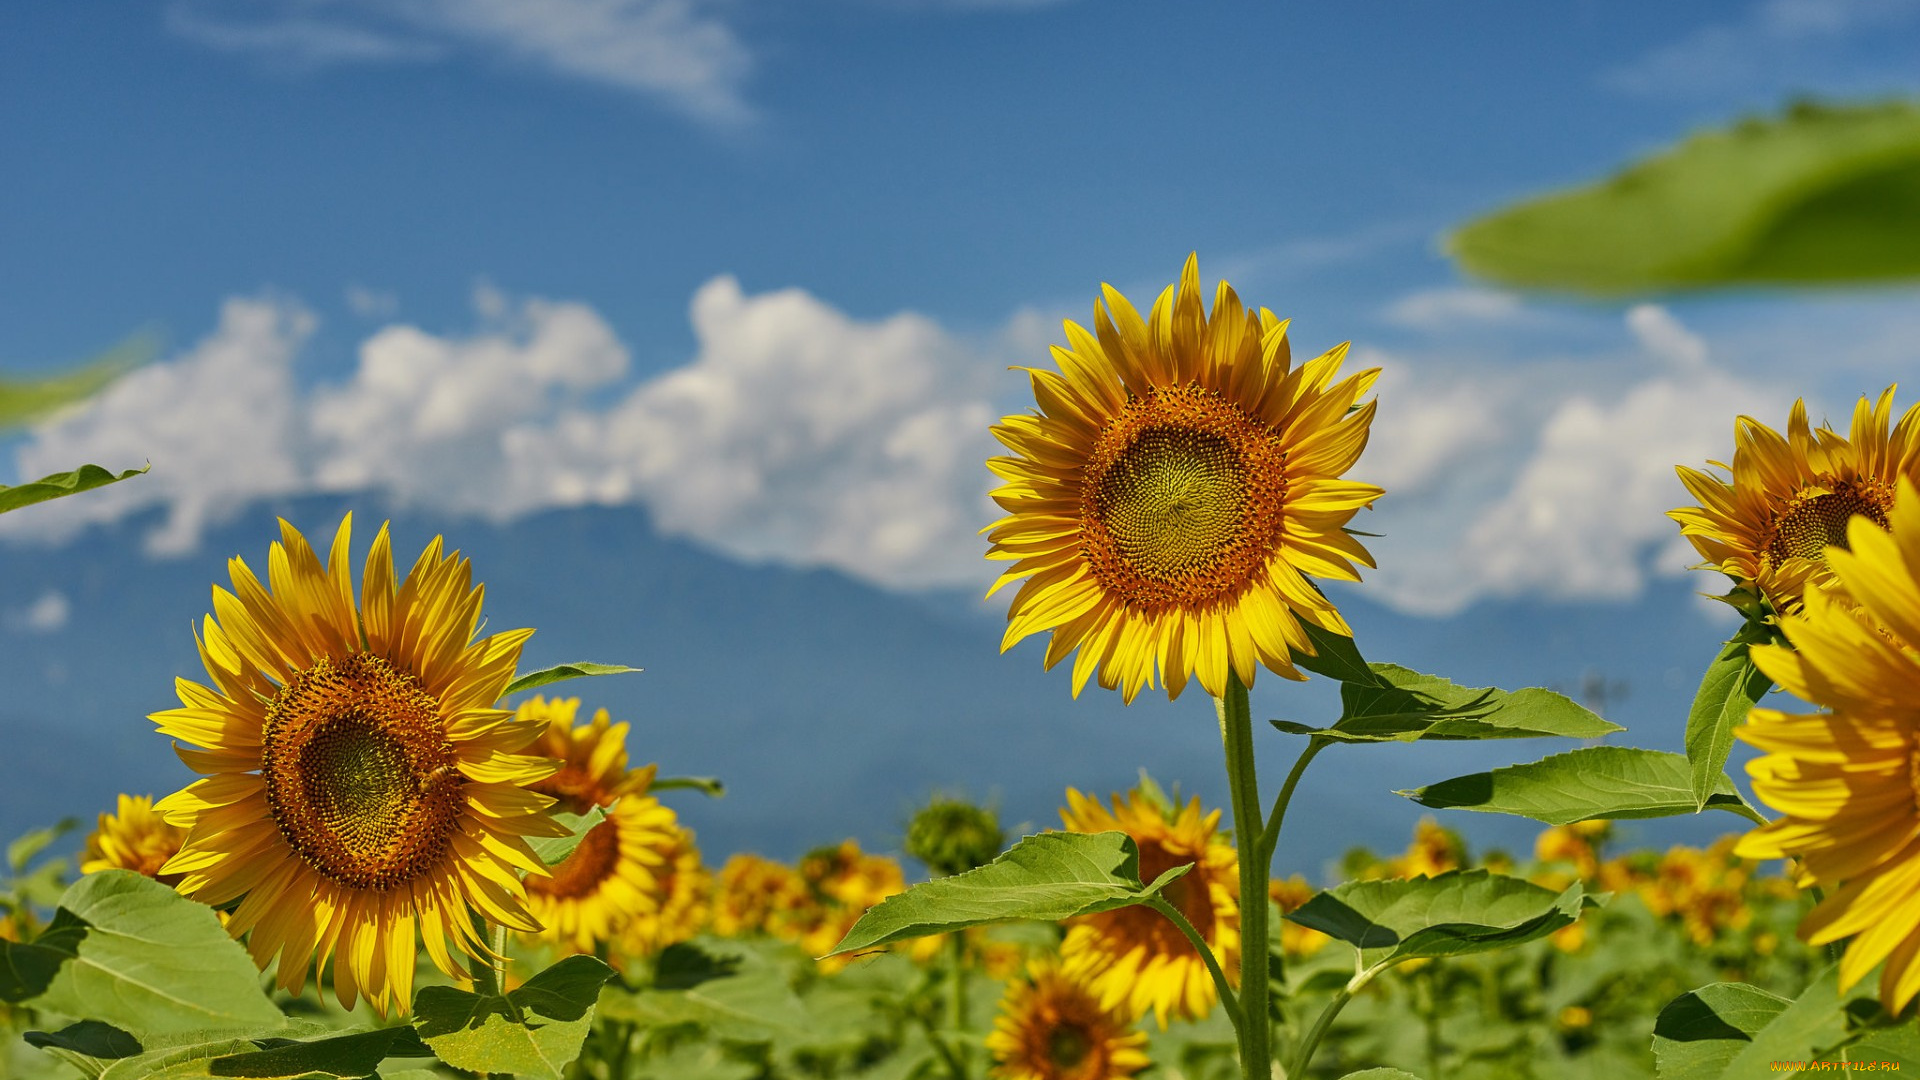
1813,523
581,873
1181,499
1068,1045
360,774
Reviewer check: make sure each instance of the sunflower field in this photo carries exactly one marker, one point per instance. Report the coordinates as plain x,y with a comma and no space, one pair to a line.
407,857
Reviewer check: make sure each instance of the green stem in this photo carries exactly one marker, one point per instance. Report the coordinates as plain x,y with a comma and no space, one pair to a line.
958,1017
1228,1000
1430,1009
1303,1054
1270,836
1236,734
487,970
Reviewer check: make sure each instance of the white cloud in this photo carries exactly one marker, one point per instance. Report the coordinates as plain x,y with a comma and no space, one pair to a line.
44,616
1427,423
677,51
1448,308
1778,46
372,303
218,422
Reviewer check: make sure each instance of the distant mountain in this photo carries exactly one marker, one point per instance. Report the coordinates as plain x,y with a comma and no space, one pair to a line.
831,708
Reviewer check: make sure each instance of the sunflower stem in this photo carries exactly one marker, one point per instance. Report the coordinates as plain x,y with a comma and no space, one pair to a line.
1228,1000
1236,733
958,1017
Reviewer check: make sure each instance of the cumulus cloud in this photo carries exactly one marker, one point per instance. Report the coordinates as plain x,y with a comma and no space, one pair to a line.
679,52
1584,515
44,616
1778,45
1449,308
218,422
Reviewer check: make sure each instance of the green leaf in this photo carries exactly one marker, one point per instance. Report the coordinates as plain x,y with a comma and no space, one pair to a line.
339,1057
1457,912
22,851
1334,655
128,950
1701,1031
85,478
1404,705
553,850
1814,1022
562,672
710,786
89,1045
188,1062
1729,689
1820,195
480,1033
22,400
1048,876
1580,785
1382,1073
722,985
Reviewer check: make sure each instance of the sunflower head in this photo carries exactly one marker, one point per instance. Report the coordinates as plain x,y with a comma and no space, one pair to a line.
134,838
1177,484
361,795
756,895
953,836
593,756
682,899
1786,501
1847,779
1053,1026
1288,894
1134,957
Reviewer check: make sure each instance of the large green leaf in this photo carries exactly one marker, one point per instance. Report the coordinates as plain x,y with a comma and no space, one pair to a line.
533,1031
562,672
128,950
22,400
1819,195
1815,1022
89,1045
1579,785
177,1062
1048,876
1464,911
1403,705
1702,1030
346,1056
1334,655
85,478
722,985
1728,690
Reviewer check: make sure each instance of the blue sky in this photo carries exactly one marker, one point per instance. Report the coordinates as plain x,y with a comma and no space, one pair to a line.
761,265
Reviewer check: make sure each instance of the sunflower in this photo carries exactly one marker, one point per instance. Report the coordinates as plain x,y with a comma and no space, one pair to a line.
613,877
756,895
1288,894
1052,1026
1176,485
682,899
135,838
1789,499
1134,957
362,794
1848,779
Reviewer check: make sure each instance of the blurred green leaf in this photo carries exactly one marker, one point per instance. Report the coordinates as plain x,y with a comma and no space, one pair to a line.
481,1033
721,985
1579,785
22,850
1402,705
1381,1073
130,951
59,485
562,672
1463,911
22,400
337,1057
1820,195
1702,1030
1049,876
553,850
1729,689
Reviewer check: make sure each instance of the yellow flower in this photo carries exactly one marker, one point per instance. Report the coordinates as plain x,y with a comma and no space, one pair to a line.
1789,499
1434,851
1704,889
1052,1026
1288,894
612,878
1845,779
1179,481
135,838
362,794
1569,844
9,929
682,899
757,895
1134,957
845,882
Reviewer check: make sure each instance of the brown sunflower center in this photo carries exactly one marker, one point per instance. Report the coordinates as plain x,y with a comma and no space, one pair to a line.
1814,522
581,873
359,772
1188,894
1181,499
1068,1044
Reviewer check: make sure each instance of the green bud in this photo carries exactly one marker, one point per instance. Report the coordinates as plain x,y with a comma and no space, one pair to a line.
953,836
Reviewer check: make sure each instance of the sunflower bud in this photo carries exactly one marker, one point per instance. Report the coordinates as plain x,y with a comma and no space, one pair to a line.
953,836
